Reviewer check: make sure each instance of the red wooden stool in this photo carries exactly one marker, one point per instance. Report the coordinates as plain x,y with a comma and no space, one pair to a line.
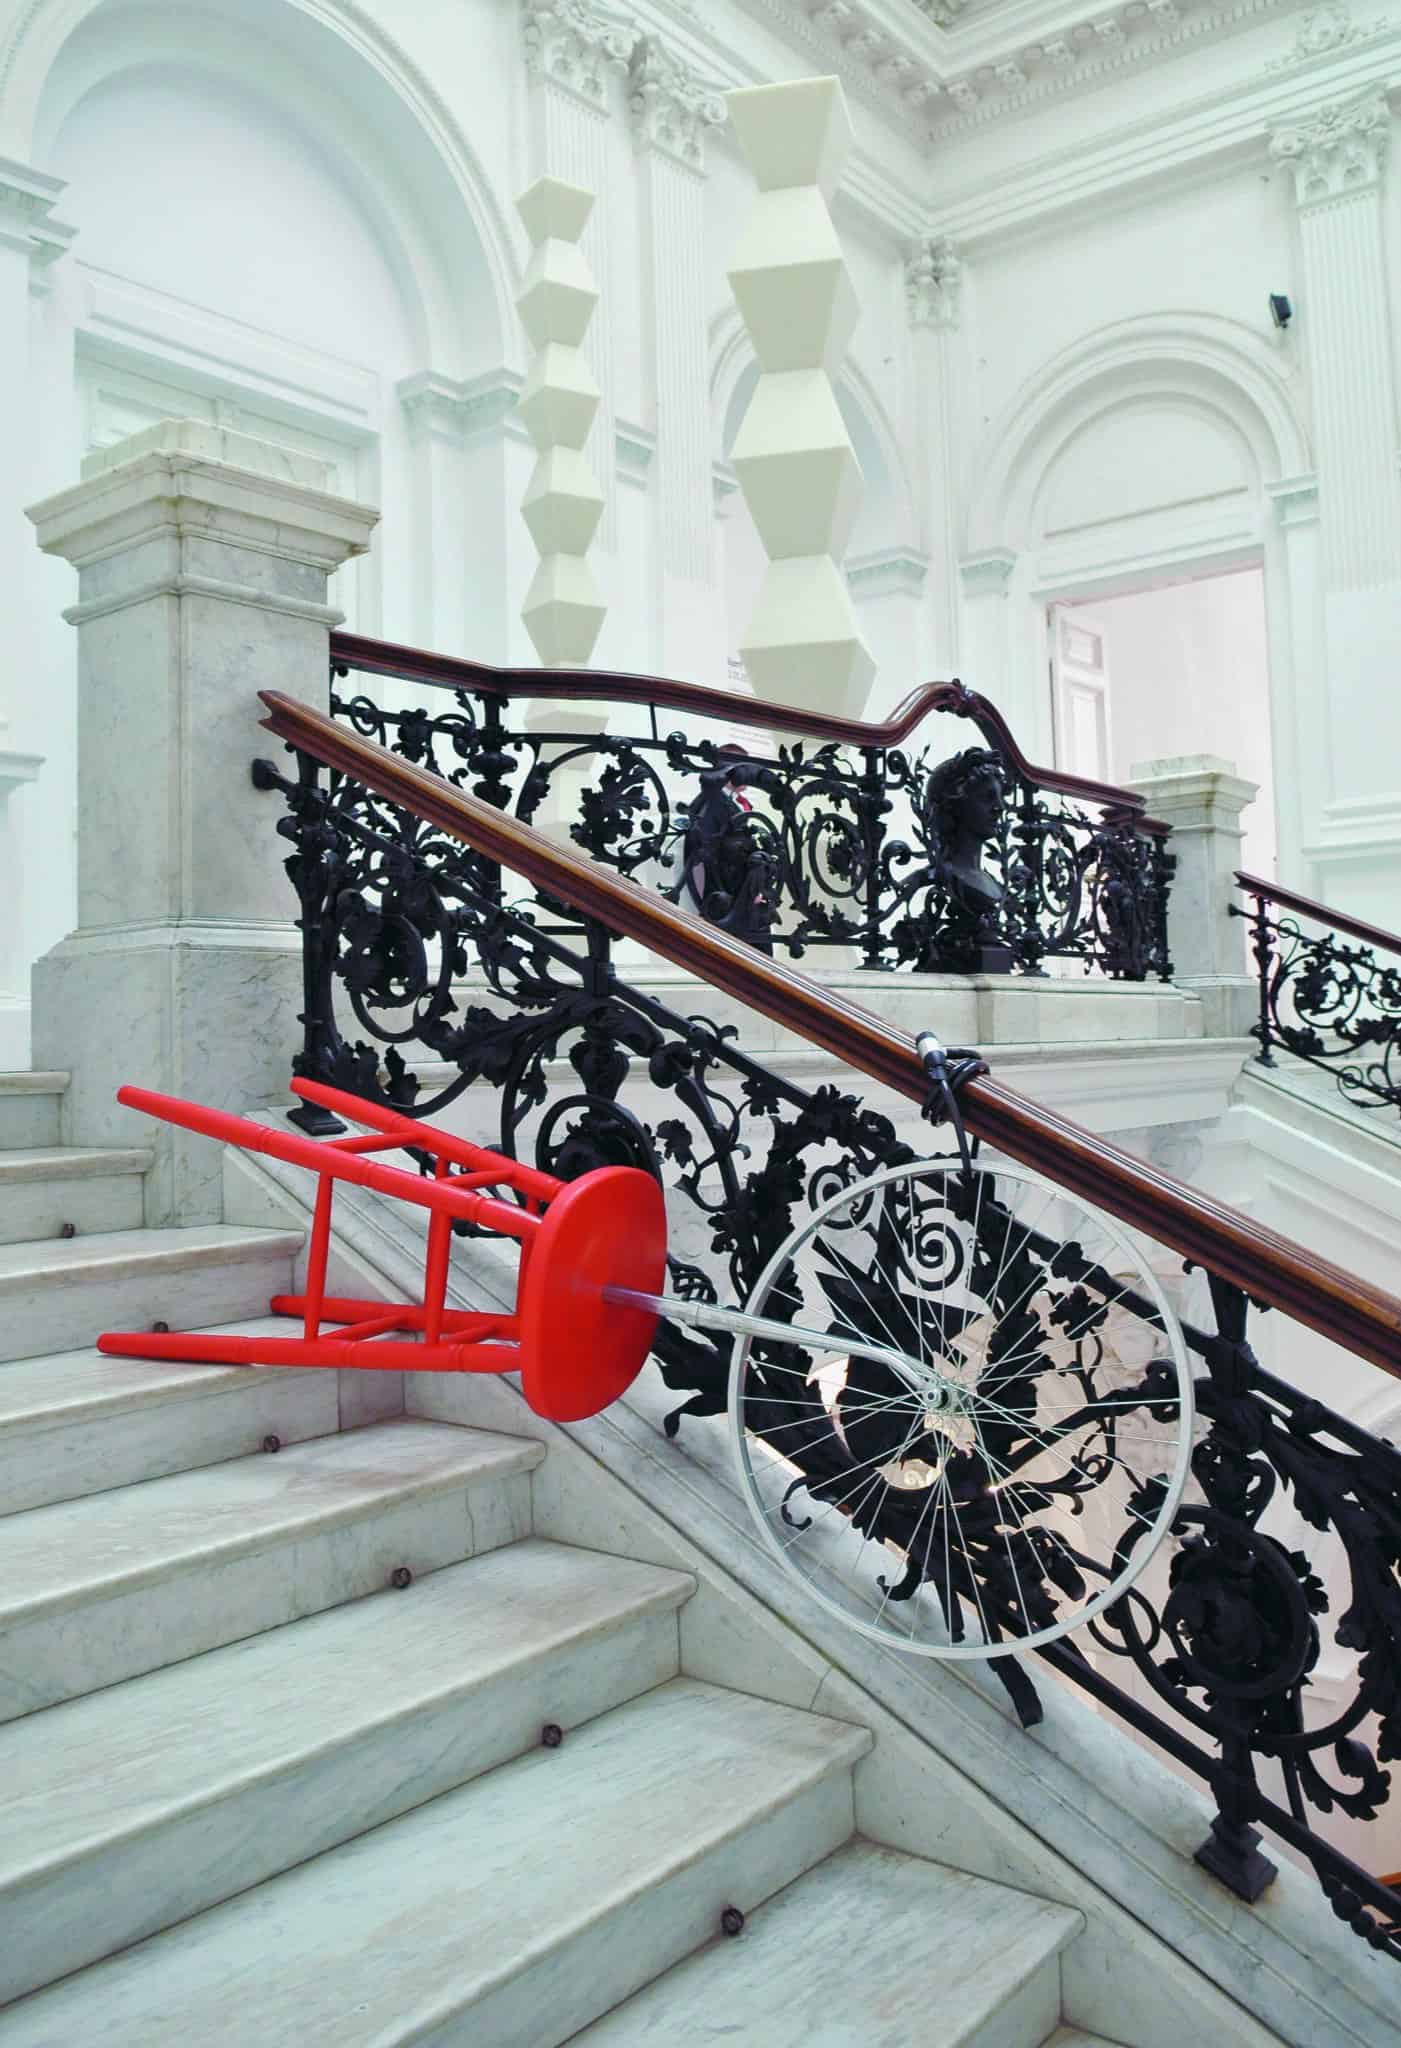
575,1348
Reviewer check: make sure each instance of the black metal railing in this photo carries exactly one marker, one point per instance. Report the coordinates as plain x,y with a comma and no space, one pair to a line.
1331,996
1217,1656
926,859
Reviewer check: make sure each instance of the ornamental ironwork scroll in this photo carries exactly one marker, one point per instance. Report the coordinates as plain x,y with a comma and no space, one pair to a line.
1329,999
915,860
1211,1658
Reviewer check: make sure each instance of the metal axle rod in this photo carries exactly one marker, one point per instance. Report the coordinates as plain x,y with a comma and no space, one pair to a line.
930,1384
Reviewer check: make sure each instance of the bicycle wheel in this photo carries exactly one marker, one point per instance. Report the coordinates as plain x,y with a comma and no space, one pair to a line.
1009,1472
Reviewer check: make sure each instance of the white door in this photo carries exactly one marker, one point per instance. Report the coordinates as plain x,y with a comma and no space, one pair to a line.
1080,691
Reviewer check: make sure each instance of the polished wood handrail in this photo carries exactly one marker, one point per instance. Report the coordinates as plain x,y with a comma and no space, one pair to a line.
1370,934
450,672
1362,1318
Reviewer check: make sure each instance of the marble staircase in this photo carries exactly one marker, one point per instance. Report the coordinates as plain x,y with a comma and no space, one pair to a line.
272,1697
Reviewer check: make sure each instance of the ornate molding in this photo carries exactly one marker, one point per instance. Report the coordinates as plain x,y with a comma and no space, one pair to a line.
1324,30
27,201
885,570
933,279
671,105
577,43
1335,150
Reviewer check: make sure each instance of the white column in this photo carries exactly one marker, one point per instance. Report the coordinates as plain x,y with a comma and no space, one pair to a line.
1298,709
792,454
671,109
577,57
888,590
933,290
562,504
1201,797
1337,155
202,557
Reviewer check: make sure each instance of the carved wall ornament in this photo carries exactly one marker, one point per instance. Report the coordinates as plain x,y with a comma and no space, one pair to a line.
933,277
1335,150
1322,31
577,43
671,106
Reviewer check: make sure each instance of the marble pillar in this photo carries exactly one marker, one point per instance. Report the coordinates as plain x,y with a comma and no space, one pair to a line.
202,557
1201,797
1336,154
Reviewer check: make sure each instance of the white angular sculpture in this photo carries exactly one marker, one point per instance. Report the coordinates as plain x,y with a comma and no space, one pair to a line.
563,503
792,455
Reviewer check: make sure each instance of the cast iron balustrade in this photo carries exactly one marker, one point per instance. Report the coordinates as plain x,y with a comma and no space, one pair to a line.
913,857
1332,997
400,879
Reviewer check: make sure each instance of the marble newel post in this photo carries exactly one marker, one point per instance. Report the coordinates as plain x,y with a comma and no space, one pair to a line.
792,455
202,557
1202,798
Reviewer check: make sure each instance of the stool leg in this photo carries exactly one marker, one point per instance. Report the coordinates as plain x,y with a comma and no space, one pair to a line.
317,1256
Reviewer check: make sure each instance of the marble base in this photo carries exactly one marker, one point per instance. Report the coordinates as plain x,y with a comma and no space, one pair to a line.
203,1011
64,1293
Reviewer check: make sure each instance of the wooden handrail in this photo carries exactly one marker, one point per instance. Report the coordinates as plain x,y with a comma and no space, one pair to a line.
450,672
1370,934
1362,1318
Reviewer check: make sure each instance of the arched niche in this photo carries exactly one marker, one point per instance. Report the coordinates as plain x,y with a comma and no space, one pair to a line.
275,228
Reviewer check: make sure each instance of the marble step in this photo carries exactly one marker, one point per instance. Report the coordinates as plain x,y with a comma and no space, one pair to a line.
29,1108
830,1963
59,1295
1076,2037
153,1800
511,1911
98,1590
47,1191
74,1423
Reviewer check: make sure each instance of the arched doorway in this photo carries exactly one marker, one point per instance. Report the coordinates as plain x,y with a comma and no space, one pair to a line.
278,232
1129,500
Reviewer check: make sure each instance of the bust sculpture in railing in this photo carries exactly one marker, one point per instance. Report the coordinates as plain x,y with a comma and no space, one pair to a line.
729,873
964,800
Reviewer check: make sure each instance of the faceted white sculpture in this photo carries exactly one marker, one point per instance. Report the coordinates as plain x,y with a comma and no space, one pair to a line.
792,455
563,503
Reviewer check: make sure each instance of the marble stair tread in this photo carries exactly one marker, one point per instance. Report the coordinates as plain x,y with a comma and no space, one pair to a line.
140,1805
109,1253
65,1191
29,1107
74,1422
512,1910
827,1964
1076,2037
80,1383
96,1590
70,1162
61,1292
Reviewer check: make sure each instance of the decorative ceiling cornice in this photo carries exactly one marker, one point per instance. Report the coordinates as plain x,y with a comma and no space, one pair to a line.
917,57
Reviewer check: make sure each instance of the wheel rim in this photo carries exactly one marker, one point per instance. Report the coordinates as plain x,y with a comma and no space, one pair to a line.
1016,1478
